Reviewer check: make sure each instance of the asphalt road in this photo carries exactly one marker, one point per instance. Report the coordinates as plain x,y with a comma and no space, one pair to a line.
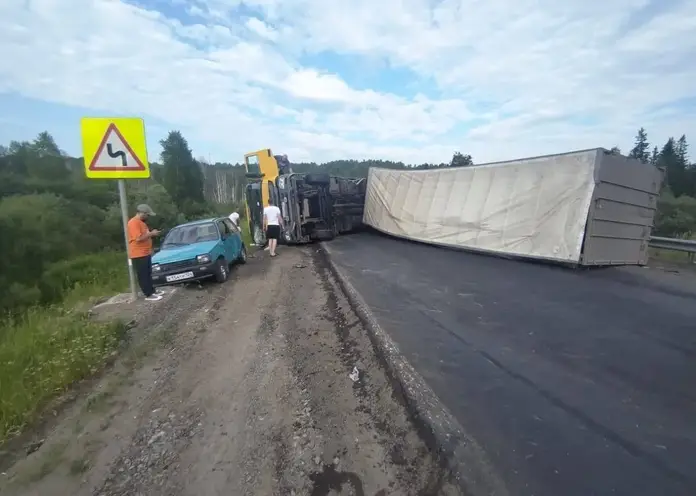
573,382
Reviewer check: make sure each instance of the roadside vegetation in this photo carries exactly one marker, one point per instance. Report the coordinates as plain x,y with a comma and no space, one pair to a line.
676,210
676,213
61,242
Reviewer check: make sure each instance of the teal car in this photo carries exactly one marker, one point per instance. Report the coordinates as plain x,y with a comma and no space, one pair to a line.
198,250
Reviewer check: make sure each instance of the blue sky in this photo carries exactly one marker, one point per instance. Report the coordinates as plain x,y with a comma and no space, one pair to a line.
410,80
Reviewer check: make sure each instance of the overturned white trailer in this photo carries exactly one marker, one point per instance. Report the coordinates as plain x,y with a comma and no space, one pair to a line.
588,207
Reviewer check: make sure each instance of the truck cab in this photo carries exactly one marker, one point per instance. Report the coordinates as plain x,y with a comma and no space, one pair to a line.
261,170
314,206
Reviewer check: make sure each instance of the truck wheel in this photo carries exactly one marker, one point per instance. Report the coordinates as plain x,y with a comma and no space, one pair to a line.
317,178
242,258
222,272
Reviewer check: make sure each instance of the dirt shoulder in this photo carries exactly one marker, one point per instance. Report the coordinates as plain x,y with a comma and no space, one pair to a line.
250,394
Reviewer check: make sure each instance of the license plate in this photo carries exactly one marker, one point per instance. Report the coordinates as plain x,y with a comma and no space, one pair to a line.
180,277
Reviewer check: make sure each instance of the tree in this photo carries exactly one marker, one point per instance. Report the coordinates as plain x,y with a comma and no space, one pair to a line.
682,151
41,159
641,147
182,176
38,230
655,156
459,160
223,183
45,146
689,170
615,150
676,169
668,154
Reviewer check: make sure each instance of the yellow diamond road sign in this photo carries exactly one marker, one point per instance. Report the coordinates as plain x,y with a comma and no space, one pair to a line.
114,148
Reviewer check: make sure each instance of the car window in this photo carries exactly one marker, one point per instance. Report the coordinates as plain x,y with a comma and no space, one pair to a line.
230,225
224,230
186,235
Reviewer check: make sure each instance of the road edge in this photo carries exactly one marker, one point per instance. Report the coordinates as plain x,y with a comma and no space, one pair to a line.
457,452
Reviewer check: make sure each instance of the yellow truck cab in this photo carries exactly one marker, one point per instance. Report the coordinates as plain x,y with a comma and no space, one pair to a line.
262,170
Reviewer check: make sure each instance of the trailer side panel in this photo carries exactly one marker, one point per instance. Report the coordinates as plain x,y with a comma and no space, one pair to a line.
535,208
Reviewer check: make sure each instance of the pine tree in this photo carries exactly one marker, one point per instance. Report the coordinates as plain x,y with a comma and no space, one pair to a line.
615,150
682,151
641,147
676,170
686,170
182,176
655,156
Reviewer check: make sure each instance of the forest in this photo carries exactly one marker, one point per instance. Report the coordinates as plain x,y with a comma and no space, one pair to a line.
51,216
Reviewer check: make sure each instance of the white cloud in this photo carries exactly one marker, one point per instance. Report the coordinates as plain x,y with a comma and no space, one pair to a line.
261,28
510,78
308,83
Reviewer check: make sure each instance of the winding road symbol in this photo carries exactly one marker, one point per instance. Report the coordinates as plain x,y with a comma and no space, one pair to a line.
120,153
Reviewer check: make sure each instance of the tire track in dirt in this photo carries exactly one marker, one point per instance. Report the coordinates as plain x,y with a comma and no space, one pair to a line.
380,450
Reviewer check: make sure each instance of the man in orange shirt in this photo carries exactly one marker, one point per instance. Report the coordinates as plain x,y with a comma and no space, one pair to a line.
140,250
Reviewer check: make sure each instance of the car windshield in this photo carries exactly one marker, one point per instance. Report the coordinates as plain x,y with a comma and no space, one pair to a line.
186,235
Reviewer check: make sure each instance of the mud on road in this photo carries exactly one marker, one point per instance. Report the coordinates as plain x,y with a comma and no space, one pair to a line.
250,394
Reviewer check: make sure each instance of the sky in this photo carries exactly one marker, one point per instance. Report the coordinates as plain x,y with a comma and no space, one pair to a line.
318,80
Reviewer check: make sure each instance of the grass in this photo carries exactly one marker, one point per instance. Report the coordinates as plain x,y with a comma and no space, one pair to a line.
44,350
87,277
673,256
246,235
677,257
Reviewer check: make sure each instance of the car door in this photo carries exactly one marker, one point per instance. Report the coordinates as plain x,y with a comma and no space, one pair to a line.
227,241
235,238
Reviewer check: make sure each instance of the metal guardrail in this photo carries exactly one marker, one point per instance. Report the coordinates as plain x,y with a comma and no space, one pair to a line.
674,244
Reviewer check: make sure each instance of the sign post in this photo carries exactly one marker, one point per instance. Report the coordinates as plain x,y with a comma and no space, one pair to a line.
115,148
123,200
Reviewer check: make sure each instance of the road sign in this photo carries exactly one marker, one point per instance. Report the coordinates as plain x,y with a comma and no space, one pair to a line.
114,148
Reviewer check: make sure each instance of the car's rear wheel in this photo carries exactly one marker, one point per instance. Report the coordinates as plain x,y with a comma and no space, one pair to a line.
222,271
242,255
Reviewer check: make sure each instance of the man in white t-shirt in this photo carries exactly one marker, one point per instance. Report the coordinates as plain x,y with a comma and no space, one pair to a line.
234,217
272,223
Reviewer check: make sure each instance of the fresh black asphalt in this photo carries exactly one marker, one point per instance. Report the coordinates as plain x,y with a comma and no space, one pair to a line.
574,382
